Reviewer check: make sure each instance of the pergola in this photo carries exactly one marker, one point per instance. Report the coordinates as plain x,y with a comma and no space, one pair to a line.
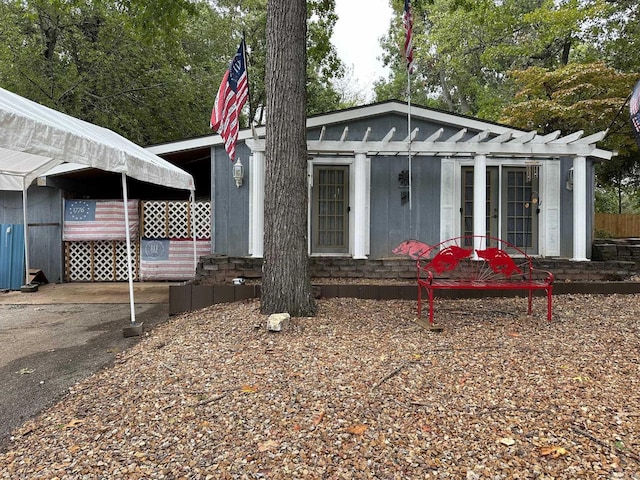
495,142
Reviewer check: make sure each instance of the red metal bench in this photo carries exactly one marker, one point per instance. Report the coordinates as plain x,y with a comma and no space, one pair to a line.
479,263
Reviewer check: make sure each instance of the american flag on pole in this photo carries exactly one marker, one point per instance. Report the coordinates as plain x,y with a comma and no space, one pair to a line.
86,220
231,97
634,111
170,259
407,21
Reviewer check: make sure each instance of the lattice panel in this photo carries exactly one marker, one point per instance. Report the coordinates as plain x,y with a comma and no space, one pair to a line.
203,220
78,261
179,221
173,220
99,261
103,261
154,215
121,261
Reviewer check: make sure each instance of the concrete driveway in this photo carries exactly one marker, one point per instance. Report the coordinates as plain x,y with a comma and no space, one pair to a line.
52,338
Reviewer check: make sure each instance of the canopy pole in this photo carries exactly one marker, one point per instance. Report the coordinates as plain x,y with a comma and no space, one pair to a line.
26,235
125,197
192,200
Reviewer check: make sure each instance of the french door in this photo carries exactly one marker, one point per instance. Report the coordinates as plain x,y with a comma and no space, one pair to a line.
512,205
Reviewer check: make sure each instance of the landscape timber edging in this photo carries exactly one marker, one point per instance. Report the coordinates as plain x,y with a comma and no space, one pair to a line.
190,297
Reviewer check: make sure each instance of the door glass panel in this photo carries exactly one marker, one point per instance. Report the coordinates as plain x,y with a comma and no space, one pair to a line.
330,209
520,226
492,201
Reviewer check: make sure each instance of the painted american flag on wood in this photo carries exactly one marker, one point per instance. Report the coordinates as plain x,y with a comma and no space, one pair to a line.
170,259
86,220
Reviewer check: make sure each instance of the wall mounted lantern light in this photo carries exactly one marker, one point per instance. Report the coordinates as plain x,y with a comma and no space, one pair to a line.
238,173
569,183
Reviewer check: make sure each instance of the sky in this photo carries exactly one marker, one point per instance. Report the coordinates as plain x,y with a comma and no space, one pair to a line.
356,36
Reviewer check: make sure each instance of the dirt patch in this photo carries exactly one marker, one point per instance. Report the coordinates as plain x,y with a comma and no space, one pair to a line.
48,348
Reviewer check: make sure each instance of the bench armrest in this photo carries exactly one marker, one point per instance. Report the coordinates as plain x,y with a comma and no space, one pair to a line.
422,274
548,276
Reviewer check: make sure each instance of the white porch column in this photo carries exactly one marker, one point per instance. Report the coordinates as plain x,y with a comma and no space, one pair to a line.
579,209
479,198
360,206
256,205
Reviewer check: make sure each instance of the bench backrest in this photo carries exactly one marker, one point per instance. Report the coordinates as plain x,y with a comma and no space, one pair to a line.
476,258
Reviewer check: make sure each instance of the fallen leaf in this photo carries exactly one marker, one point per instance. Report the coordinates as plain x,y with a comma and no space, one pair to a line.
268,445
249,389
318,418
357,429
25,371
74,423
554,451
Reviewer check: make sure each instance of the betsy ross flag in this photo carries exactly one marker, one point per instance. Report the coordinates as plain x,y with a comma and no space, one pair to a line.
634,111
170,259
86,220
407,21
231,97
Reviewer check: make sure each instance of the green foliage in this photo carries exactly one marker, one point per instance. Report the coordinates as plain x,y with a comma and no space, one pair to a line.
614,199
148,70
574,97
541,65
586,97
464,48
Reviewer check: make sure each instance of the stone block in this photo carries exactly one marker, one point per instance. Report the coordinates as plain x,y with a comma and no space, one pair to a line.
278,322
132,330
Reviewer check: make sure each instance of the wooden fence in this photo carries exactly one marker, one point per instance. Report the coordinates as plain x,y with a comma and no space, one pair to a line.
617,225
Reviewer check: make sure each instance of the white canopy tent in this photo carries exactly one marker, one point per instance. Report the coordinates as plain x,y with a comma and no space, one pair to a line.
35,139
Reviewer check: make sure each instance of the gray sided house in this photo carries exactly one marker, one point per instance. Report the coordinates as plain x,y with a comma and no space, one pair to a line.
44,206
373,184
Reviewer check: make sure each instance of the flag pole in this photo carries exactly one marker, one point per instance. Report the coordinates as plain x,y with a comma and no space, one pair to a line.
409,149
407,21
246,66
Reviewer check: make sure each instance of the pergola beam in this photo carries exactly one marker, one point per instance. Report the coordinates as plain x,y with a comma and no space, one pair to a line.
412,136
532,146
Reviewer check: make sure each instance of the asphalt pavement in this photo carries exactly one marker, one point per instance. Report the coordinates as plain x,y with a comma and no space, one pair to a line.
52,338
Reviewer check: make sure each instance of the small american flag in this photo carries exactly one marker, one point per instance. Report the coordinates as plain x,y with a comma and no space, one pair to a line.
86,220
231,97
634,111
170,259
407,21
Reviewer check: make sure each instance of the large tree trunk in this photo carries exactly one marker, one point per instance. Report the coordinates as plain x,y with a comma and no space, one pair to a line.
286,282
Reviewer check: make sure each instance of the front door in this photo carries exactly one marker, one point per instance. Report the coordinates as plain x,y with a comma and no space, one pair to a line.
330,209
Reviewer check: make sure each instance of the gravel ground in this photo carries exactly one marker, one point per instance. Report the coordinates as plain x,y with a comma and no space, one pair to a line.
360,391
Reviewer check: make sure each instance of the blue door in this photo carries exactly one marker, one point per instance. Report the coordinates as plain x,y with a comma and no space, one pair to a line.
12,275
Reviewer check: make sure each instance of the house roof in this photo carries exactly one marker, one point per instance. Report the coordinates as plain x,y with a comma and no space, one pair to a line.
31,133
473,137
